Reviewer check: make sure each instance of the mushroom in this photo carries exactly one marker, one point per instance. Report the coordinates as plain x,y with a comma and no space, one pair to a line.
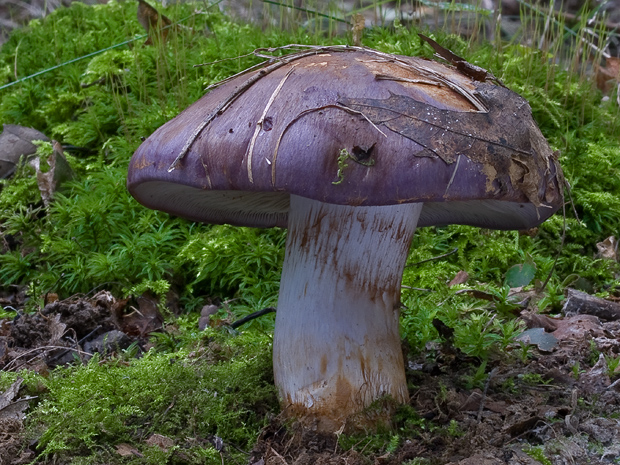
351,149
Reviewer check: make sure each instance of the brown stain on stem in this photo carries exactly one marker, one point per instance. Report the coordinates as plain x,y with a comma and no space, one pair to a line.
323,368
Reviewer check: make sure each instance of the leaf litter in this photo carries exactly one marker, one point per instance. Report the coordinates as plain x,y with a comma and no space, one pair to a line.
562,399
559,405
12,415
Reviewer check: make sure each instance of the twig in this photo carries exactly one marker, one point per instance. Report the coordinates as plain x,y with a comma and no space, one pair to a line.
94,83
279,456
338,434
80,295
456,167
273,63
222,60
169,407
261,121
489,323
365,446
61,354
43,348
92,291
221,108
18,401
385,77
252,316
240,73
421,289
472,71
456,249
306,112
230,444
484,393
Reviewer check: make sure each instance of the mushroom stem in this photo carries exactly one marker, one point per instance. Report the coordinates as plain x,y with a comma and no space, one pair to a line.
336,344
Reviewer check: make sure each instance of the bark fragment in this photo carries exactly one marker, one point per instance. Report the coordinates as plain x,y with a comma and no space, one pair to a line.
578,302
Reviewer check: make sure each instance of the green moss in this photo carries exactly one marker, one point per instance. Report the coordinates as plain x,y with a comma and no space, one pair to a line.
538,453
95,232
221,388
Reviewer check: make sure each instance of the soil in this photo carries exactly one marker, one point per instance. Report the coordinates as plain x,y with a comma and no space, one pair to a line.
73,328
562,403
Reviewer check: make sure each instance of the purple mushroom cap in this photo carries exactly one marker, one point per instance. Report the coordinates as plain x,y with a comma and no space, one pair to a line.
413,130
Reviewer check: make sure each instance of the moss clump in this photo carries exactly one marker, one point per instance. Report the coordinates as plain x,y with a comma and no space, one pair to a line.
221,387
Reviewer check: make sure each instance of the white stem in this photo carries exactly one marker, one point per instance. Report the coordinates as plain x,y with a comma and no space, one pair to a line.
336,344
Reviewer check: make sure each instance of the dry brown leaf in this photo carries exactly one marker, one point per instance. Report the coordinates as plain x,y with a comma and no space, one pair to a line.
144,319
127,450
11,408
596,380
578,328
473,402
536,320
163,442
16,141
460,278
50,297
608,248
57,330
59,172
607,76
477,294
7,396
205,316
473,71
153,22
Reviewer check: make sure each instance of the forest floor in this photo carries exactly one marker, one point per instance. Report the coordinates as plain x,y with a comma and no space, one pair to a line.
553,399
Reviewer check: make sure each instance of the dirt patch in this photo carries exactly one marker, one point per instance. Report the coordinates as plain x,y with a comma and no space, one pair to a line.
64,330
86,316
58,334
11,443
558,407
